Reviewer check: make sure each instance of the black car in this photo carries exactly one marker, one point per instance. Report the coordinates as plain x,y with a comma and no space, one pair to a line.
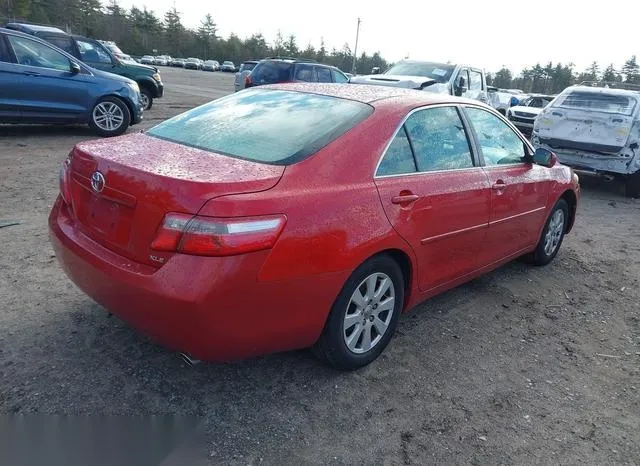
97,55
278,70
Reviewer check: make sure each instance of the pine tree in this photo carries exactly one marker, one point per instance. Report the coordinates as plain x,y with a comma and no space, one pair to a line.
631,71
207,34
291,47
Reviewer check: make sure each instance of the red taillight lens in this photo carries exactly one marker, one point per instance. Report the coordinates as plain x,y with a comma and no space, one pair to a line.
247,81
65,189
209,236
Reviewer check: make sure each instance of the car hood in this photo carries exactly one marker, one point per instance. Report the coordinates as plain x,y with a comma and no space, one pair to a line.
529,110
408,82
110,76
139,68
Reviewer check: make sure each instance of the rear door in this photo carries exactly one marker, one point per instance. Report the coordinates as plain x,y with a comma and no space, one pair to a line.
48,90
519,189
323,74
435,194
304,72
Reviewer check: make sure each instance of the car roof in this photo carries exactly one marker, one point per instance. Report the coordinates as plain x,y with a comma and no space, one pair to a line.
31,28
370,94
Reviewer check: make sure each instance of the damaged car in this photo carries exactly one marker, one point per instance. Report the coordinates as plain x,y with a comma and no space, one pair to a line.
596,131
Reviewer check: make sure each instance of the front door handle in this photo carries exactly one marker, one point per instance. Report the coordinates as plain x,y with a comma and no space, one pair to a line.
404,199
32,73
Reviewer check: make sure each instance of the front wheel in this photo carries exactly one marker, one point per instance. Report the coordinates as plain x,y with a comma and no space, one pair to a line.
552,234
364,316
632,186
110,117
146,98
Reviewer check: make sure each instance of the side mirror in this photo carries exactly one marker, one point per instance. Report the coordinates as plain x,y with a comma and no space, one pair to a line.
544,157
460,86
74,67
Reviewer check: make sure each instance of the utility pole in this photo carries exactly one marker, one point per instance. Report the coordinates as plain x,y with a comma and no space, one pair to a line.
355,49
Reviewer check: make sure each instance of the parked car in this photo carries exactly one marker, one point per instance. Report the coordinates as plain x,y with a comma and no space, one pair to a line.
178,62
500,99
211,65
228,66
524,114
193,64
41,84
444,78
160,61
96,55
595,130
245,69
147,59
280,70
254,239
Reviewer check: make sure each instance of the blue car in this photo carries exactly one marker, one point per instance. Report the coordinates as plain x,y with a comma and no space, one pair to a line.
41,84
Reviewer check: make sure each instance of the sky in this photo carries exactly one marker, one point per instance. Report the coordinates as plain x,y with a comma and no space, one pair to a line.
483,33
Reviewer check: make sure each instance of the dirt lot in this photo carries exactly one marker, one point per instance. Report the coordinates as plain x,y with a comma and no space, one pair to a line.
526,365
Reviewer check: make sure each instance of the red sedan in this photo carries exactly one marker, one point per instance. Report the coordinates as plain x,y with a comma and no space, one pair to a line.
300,215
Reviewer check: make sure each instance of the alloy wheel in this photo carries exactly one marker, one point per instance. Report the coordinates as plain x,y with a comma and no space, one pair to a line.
108,116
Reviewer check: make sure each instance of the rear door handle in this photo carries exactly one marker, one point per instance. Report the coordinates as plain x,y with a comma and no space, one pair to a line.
404,199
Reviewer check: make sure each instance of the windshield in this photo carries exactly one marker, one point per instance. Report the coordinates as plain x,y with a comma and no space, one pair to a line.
114,48
597,102
268,126
437,71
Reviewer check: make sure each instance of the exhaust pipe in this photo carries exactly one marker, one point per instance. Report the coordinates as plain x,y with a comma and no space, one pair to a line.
189,360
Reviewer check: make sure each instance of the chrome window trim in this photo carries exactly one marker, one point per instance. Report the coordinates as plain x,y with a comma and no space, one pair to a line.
470,139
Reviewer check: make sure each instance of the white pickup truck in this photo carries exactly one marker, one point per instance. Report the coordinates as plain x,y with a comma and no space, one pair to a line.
460,80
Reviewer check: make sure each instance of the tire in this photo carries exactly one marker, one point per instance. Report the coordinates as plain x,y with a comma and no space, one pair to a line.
102,127
552,234
145,94
333,347
632,186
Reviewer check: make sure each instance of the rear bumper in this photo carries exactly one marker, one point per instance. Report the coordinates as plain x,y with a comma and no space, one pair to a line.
210,308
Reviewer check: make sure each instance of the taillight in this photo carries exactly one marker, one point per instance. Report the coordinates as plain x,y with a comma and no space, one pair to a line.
209,236
247,81
65,189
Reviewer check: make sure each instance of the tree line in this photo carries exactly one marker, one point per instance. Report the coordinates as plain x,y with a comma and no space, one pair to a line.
141,31
552,79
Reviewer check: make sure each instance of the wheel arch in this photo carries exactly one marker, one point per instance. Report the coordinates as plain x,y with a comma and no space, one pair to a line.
570,197
406,266
126,101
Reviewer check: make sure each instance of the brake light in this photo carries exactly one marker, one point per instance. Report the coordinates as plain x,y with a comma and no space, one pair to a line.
63,175
209,236
247,81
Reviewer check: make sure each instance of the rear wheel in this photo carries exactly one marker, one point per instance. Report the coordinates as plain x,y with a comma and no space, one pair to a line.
364,316
552,234
632,186
110,117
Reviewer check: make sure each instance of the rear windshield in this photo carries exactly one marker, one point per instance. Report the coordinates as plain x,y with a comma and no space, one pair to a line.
599,102
263,125
247,66
271,72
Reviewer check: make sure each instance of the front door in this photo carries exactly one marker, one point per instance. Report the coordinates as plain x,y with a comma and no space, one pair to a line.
48,89
95,55
10,81
435,194
519,189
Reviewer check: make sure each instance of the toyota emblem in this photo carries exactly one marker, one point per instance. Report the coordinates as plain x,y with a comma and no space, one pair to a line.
97,182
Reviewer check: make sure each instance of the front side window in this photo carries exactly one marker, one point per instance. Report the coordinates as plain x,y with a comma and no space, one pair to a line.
398,159
464,74
93,53
268,126
439,140
31,53
338,77
475,80
498,142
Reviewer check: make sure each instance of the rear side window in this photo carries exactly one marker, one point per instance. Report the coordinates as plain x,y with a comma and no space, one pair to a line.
269,126
62,42
398,159
324,74
595,101
271,72
439,140
304,73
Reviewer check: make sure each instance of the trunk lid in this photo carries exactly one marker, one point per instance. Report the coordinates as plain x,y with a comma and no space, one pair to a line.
142,178
592,128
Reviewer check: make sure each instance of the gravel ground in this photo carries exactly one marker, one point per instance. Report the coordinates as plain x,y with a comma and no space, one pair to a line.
525,365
